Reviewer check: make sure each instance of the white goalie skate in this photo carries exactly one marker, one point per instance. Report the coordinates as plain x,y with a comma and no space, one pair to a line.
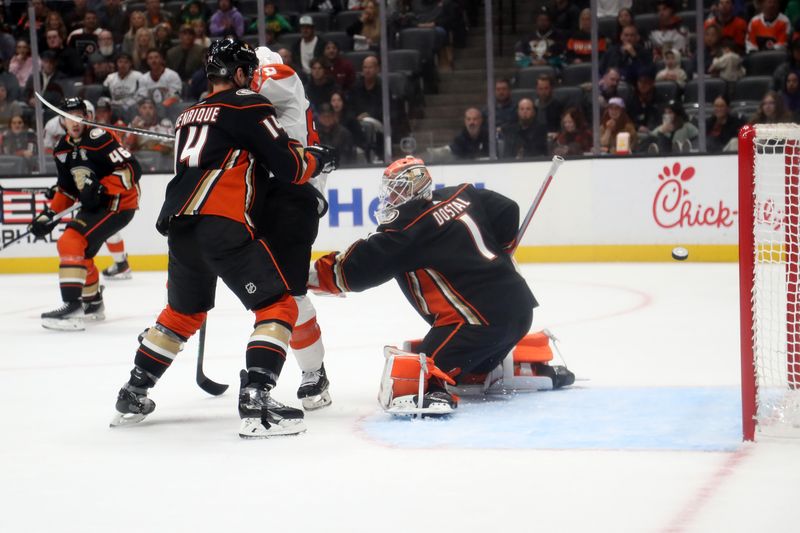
313,390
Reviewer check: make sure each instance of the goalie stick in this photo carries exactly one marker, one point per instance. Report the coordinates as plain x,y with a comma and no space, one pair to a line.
57,216
203,381
557,160
123,129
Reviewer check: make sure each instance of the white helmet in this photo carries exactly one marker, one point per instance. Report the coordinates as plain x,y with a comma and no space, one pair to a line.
403,180
268,57
89,109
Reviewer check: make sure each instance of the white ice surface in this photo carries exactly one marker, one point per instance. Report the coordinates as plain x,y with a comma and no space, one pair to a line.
185,468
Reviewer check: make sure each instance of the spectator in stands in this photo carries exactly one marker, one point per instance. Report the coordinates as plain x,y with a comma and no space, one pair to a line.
401,17
792,63
186,56
628,57
579,46
320,85
8,108
544,47
366,103
161,84
625,18
472,141
722,126
154,15
55,22
113,18
21,65
609,8
147,119
731,26
672,71
642,107
525,137
162,35
136,21
9,81
123,84
771,110
105,47
366,31
769,30
340,69
84,39
565,16
675,133
613,122
548,109
200,34
19,140
309,46
505,112
791,95
347,119
670,33
447,18
273,21
327,6
145,41
40,14
67,59
334,134
104,113
100,64
712,39
49,80
608,85
574,137
728,65
226,20
192,10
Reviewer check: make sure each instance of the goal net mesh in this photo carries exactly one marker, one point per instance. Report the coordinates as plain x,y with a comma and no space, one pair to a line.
776,287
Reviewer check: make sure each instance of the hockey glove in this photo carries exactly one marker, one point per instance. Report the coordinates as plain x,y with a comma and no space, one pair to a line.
51,192
327,158
43,224
92,193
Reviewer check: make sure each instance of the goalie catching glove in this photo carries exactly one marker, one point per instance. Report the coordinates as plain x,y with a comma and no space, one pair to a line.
93,193
43,224
327,158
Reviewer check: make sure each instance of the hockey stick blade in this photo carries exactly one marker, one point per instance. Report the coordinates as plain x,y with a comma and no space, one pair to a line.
123,129
203,381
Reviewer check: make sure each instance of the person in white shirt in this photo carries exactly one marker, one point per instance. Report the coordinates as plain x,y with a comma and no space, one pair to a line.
160,83
309,46
124,83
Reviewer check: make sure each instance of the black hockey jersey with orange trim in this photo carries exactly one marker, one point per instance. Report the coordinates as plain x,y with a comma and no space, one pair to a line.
224,147
98,152
449,257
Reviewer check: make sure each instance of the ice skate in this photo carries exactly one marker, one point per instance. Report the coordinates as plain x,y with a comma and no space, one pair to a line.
434,403
68,317
560,375
93,308
313,390
263,416
118,271
133,405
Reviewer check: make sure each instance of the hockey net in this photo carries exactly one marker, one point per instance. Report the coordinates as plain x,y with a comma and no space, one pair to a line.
769,273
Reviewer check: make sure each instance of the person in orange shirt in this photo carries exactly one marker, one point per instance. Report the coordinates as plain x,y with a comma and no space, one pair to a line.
732,26
769,30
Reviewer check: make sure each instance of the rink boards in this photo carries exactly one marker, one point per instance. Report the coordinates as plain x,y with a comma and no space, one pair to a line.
635,209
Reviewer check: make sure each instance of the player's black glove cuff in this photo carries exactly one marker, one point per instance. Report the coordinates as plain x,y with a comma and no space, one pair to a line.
327,158
51,192
43,224
93,194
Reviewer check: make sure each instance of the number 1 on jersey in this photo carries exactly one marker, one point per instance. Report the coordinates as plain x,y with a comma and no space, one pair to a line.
194,145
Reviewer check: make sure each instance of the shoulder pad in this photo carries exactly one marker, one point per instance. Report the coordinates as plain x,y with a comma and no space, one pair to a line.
96,133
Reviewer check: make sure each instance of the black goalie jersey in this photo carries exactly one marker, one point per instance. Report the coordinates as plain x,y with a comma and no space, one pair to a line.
449,258
224,146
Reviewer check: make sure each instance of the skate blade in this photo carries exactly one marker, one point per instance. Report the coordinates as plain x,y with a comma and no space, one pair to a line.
404,406
252,428
312,403
116,277
60,324
126,419
95,317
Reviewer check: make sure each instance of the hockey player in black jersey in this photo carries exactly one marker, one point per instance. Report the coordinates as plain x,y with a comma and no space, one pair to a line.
449,252
96,170
225,145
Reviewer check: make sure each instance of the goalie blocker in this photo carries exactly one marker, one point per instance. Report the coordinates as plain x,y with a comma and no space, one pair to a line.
405,389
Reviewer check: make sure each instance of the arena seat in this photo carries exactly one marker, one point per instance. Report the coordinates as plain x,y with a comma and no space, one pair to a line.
645,23
666,91
568,96
526,77
607,27
341,38
714,87
91,92
576,74
346,18
763,63
407,61
752,88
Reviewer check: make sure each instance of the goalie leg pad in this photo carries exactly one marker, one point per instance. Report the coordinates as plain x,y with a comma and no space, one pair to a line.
405,389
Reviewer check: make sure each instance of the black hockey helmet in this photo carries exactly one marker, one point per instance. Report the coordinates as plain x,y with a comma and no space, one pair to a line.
226,55
70,105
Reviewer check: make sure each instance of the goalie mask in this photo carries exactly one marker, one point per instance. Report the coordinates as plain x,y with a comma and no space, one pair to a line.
404,180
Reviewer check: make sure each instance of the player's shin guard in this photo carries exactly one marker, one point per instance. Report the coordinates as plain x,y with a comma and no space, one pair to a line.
306,343
413,385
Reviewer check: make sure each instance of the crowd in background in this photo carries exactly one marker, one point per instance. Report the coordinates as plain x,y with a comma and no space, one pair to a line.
141,63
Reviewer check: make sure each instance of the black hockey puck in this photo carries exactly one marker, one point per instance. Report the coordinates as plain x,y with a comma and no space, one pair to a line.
680,253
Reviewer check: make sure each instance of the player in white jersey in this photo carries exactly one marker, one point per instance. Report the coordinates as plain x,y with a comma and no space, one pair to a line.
292,209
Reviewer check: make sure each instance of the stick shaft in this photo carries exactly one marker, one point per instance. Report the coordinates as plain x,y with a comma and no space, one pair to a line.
557,160
57,216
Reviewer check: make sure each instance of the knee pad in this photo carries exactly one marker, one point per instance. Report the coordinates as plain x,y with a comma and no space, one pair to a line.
71,247
283,310
183,325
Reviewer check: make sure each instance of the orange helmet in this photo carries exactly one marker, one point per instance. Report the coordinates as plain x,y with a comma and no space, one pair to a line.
403,180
